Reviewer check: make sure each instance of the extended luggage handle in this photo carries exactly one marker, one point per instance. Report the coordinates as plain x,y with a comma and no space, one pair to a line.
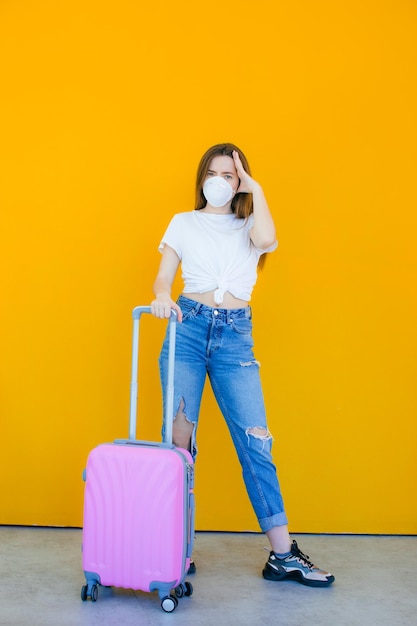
169,404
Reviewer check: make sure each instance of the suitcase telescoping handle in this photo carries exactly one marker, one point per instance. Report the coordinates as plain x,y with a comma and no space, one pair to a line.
169,404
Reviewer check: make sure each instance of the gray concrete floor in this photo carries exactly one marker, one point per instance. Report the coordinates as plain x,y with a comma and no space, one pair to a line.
41,579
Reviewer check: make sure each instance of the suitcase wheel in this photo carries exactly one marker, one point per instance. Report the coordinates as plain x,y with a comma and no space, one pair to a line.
93,594
186,589
169,603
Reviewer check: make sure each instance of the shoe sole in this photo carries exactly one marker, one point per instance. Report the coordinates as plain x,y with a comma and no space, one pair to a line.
298,577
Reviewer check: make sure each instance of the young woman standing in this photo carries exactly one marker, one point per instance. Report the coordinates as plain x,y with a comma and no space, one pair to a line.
219,245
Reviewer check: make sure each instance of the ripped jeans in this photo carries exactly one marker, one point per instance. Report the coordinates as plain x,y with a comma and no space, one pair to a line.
219,343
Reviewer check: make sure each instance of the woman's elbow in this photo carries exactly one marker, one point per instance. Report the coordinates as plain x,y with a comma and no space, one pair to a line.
263,243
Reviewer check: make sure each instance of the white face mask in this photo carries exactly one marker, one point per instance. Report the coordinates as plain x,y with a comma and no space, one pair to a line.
217,191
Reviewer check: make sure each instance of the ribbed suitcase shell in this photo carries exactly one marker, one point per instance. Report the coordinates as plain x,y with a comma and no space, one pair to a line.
137,516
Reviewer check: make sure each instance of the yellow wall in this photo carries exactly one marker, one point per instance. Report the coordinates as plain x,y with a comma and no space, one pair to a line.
105,109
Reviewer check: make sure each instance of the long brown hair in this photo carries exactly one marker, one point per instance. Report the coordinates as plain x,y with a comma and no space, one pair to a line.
242,204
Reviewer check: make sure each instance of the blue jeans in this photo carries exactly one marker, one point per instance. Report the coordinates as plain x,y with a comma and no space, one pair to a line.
219,343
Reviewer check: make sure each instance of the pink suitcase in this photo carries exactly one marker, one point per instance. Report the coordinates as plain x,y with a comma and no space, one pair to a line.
139,505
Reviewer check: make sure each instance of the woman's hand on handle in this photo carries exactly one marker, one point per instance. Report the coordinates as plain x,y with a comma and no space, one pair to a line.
162,305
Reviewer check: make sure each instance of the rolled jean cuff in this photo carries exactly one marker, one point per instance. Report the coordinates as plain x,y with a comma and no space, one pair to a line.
267,523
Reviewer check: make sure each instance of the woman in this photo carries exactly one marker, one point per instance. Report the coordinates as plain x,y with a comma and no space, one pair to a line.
219,245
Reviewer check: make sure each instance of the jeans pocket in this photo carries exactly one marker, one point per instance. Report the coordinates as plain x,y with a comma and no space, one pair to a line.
242,325
186,314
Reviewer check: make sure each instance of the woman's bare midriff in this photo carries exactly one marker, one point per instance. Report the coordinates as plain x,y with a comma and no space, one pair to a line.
229,301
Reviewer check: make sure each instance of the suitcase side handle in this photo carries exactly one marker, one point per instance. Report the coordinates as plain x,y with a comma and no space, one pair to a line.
136,314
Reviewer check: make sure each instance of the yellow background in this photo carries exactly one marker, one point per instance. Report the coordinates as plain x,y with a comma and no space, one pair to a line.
105,110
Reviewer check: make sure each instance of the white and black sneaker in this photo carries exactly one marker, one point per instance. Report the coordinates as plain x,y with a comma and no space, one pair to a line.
296,566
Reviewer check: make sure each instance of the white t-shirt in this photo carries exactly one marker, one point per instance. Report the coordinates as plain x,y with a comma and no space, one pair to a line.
216,252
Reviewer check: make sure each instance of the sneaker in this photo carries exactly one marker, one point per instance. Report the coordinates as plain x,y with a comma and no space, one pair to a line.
297,567
192,569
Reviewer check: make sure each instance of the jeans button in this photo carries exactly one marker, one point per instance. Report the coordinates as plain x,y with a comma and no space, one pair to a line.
216,312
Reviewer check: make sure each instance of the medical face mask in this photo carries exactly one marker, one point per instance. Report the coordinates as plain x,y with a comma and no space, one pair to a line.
217,191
